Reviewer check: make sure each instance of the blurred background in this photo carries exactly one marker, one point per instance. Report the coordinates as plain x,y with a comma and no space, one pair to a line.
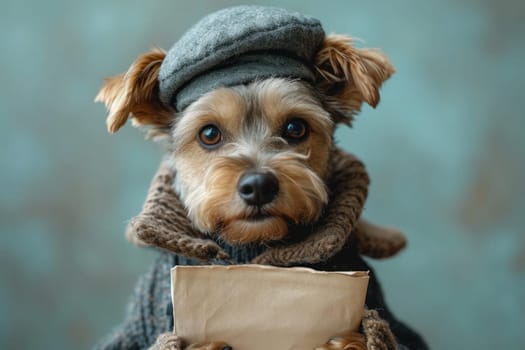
445,150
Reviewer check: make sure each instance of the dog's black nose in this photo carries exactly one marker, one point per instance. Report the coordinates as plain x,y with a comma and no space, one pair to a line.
258,188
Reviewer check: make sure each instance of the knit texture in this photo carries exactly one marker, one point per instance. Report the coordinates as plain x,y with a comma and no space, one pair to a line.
164,223
377,332
237,45
167,341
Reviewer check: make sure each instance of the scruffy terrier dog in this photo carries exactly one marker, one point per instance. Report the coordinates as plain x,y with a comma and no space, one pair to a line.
252,159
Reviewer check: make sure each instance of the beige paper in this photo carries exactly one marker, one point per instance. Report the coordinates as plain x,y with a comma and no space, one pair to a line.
255,307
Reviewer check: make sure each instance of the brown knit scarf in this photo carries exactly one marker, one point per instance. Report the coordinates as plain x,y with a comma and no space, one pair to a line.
164,223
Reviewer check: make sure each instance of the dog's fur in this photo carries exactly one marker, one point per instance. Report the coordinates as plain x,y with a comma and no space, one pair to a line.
251,120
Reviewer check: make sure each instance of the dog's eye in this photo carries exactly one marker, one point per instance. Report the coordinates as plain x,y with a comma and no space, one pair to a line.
210,136
295,130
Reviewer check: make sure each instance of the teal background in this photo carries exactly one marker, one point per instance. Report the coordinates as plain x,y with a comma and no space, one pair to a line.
445,151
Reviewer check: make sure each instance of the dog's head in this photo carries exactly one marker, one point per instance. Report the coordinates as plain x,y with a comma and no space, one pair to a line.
251,159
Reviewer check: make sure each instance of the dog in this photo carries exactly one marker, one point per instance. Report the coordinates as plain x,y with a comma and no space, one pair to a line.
252,159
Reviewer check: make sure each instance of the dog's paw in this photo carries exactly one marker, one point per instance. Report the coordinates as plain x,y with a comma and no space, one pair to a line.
216,345
346,341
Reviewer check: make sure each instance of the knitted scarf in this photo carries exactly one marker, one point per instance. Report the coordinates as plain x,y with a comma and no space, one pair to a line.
163,222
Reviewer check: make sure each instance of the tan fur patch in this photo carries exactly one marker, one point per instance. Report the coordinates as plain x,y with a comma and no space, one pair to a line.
347,341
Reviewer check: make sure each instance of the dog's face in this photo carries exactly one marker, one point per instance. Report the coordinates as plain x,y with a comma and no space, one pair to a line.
252,160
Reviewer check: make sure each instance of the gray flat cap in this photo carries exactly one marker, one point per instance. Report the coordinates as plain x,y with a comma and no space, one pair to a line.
236,46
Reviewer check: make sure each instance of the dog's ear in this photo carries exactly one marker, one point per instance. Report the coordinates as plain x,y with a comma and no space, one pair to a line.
136,94
349,76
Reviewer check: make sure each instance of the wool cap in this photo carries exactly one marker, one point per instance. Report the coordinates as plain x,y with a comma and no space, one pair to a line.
238,45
